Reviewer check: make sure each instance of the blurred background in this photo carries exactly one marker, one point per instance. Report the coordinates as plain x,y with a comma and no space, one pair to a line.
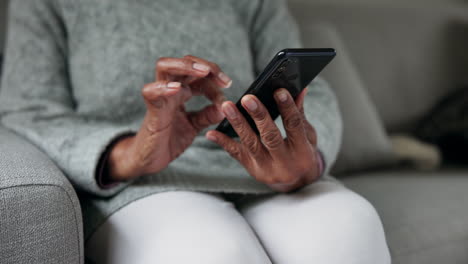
401,78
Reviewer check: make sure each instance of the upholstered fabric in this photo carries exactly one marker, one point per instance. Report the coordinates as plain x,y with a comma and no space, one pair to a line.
425,214
408,53
365,142
40,216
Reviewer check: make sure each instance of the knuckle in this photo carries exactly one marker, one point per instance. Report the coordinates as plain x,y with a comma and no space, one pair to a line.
261,117
215,67
186,62
268,180
287,180
148,91
234,151
253,145
239,125
272,139
151,91
293,122
275,180
159,103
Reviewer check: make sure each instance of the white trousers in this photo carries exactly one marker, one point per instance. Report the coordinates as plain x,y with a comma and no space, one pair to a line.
324,223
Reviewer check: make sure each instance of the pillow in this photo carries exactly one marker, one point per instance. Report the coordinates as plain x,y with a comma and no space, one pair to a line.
365,142
447,127
1,64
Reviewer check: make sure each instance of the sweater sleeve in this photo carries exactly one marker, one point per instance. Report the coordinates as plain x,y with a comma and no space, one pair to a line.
36,100
274,29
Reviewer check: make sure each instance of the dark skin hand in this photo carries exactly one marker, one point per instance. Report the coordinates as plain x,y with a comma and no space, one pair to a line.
284,164
168,129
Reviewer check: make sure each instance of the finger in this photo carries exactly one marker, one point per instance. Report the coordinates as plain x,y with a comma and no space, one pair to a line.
247,137
269,132
161,99
156,94
209,89
292,118
222,79
310,130
231,146
178,68
208,116
311,133
300,100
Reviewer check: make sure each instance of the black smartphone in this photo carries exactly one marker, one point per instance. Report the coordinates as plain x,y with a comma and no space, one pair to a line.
292,69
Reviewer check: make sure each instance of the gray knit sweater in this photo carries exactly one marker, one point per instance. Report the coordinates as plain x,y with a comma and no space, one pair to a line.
74,70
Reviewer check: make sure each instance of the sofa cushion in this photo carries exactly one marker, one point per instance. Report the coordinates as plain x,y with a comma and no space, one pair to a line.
408,53
365,142
425,215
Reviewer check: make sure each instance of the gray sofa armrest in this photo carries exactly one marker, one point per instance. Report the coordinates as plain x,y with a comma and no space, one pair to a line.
40,215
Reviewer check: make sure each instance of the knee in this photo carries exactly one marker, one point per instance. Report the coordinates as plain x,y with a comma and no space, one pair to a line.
324,223
212,247
354,229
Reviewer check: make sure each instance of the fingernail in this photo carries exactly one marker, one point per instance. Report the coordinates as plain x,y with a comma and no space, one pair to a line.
250,103
173,85
282,96
211,137
225,79
230,111
201,67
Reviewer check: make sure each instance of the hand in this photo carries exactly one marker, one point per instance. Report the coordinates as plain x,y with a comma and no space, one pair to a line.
283,164
168,129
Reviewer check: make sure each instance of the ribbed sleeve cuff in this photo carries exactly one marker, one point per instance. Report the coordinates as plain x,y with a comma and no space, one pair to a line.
87,164
102,170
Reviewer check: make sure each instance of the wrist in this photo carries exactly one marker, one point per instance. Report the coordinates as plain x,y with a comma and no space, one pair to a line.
121,165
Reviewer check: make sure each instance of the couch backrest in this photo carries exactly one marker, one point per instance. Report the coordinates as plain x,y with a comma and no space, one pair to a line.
408,54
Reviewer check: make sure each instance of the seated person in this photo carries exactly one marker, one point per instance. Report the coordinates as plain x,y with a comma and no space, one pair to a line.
103,87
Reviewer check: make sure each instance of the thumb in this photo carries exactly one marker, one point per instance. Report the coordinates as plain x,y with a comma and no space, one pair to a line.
202,119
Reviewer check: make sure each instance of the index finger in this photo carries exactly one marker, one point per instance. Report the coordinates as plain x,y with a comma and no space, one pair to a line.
218,76
177,69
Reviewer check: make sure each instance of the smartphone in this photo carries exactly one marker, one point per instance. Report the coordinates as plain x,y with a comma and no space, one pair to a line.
292,69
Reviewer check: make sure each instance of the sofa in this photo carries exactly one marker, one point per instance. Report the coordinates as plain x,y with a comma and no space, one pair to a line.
396,60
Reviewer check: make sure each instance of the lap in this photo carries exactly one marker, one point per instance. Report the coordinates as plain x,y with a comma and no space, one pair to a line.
322,223
176,227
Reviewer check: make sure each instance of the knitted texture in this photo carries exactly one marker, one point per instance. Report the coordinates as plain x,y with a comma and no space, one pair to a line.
74,70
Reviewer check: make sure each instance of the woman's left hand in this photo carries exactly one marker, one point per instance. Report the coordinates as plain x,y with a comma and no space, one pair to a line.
284,164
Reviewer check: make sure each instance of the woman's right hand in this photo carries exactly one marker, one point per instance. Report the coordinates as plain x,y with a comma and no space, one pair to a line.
168,129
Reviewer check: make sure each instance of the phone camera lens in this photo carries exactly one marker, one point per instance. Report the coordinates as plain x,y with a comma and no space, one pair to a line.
282,69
